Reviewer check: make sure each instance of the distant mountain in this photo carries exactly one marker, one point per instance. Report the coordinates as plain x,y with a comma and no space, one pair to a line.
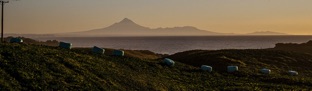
127,27
266,33
28,35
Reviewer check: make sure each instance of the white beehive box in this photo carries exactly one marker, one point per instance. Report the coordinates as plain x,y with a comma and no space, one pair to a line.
231,69
292,73
206,68
168,62
265,71
98,50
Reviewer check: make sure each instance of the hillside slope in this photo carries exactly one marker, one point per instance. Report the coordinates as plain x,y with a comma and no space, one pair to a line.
249,60
35,67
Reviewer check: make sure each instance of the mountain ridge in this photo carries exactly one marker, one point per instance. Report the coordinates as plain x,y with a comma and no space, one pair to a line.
127,27
266,33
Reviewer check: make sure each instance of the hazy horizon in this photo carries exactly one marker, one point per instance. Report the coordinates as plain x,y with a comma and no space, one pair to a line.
235,16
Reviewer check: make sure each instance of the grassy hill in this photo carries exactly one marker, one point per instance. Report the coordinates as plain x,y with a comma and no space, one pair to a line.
250,60
32,41
39,67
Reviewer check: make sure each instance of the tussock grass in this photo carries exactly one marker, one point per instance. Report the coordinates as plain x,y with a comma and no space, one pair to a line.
39,67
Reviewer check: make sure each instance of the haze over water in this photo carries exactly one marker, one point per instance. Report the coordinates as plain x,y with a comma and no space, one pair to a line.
171,45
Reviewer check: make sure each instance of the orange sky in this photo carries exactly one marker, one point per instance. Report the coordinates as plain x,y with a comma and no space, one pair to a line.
225,16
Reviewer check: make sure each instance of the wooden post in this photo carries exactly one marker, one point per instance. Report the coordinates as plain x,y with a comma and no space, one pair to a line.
2,6
2,19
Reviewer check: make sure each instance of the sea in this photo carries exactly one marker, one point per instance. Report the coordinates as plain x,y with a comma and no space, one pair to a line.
175,44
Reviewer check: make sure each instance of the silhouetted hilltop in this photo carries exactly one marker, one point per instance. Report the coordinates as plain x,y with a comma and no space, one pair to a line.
303,47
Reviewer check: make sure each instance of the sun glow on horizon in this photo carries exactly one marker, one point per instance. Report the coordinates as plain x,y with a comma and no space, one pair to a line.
224,16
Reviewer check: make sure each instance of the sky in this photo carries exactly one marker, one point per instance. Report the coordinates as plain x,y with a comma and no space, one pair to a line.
224,16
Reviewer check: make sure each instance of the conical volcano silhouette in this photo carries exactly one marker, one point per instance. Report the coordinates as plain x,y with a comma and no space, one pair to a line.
126,20
127,27
126,24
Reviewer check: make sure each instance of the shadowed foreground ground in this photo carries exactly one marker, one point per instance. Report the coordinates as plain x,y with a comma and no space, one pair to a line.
36,67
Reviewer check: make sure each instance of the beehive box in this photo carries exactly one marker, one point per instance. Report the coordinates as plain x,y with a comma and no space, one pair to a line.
118,53
168,62
292,73
65,45
206,68
16,40
231,69
265,71
98,50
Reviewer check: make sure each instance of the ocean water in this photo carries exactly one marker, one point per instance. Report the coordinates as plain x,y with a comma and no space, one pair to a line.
171,45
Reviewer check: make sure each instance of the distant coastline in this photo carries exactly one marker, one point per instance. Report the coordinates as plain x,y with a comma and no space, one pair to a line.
174,44
57,35
127,27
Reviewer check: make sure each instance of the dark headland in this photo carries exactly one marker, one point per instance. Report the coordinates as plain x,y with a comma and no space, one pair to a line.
34,65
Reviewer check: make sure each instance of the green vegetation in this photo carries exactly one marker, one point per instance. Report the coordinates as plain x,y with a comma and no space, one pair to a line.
32,41
39,67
